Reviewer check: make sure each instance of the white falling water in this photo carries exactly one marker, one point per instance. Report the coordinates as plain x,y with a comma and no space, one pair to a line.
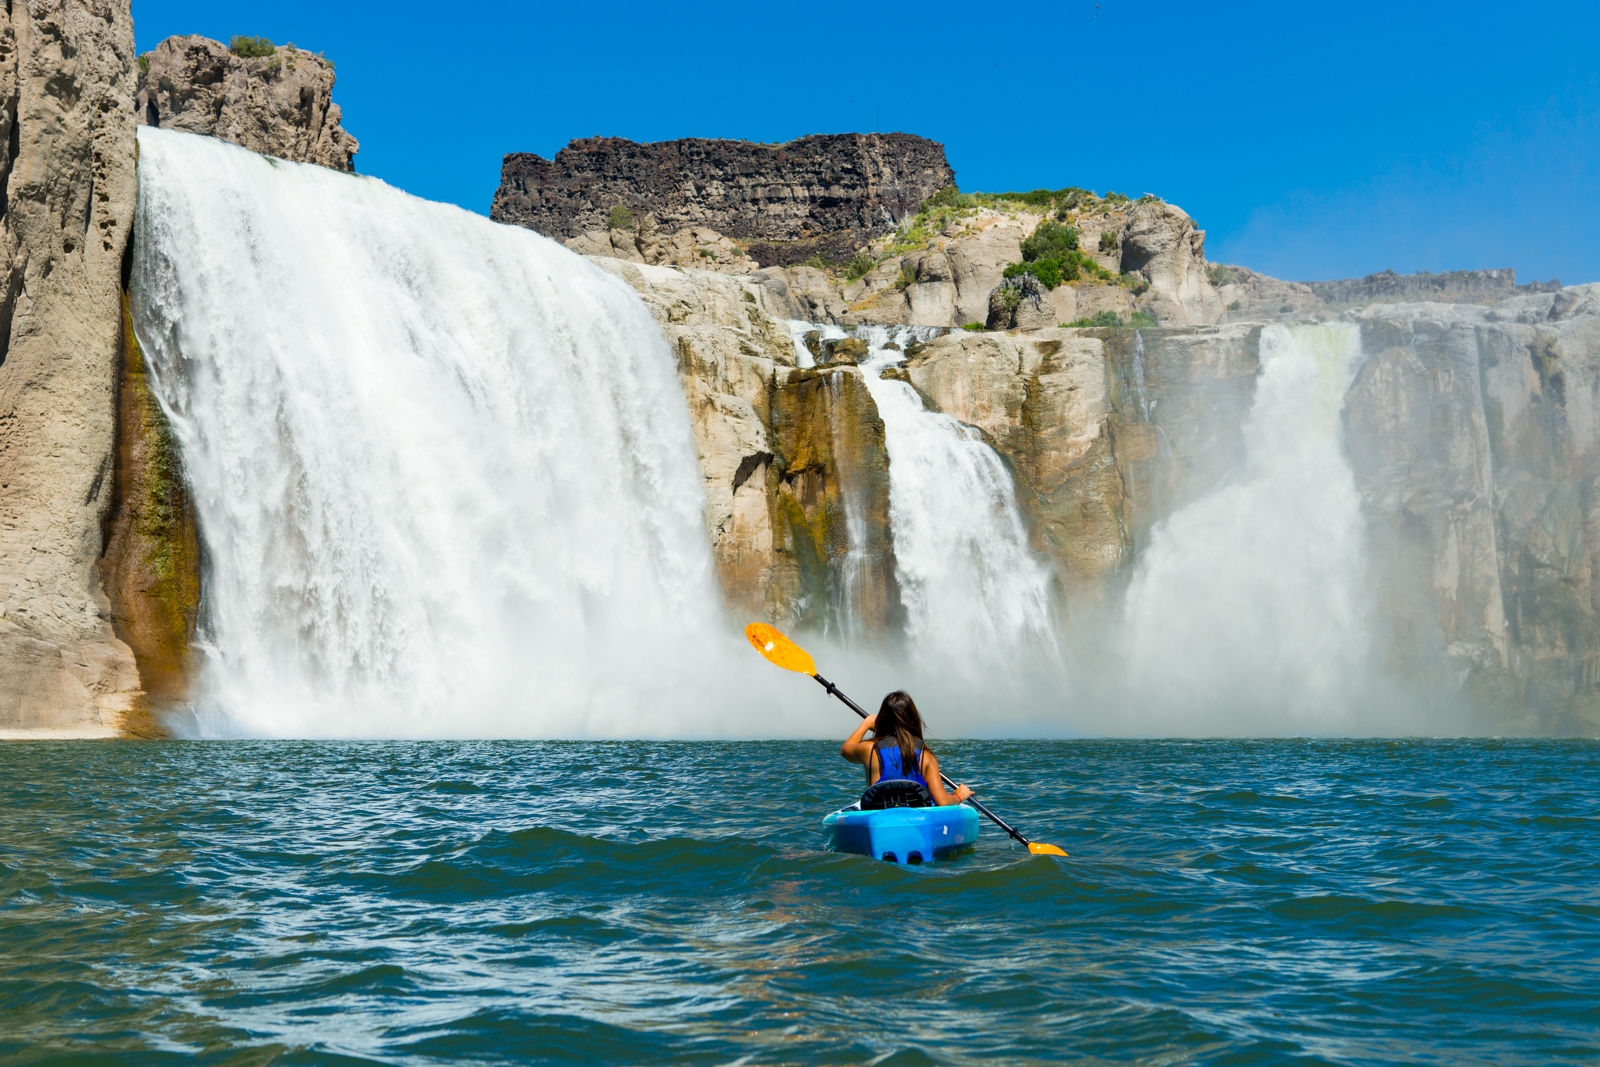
443,467
1247,614
977,599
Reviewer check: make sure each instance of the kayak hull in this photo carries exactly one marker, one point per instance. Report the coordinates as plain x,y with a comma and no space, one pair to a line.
902,835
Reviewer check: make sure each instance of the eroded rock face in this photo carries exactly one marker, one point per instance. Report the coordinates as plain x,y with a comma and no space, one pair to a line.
1161,245
809,187
1475,437
279,105
151,565
1107,431
1248,296
793,461
67,86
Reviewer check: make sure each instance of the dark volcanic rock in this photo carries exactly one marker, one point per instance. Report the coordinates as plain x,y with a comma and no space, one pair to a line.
805,190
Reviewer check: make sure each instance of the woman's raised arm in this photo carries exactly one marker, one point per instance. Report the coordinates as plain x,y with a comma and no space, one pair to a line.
856,747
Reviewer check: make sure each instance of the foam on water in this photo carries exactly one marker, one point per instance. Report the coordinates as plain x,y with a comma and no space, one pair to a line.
443,467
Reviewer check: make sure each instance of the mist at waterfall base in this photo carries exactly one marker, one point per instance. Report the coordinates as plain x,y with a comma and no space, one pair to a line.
446,486
1247,613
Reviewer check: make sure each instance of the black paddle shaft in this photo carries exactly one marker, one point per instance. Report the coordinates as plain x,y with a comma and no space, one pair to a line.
834,690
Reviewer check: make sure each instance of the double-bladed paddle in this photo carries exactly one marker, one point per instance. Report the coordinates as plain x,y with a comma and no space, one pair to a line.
779,650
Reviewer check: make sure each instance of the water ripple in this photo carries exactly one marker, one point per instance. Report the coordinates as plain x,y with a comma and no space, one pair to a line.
516,902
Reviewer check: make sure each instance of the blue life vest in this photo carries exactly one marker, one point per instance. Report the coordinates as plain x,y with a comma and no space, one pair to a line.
889,767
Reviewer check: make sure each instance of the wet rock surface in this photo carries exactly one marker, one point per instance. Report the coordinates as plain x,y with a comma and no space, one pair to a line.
793,460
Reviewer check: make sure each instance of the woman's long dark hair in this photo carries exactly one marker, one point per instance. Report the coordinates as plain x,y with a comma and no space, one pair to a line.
898,718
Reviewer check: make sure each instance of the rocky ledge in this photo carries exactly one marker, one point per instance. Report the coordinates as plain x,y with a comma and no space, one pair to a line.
801,191
276,101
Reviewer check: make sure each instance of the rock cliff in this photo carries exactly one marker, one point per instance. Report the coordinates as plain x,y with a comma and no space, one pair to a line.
790,192
793,460
279,105
1475,436
1162,247
67,85
1106,431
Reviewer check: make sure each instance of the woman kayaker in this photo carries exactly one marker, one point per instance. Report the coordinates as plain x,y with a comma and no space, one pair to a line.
897,750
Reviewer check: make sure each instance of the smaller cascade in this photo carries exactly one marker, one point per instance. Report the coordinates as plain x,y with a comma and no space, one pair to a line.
1247,613
976,596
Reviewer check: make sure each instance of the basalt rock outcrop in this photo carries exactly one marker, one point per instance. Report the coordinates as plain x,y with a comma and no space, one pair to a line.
279,105
67,86
801,191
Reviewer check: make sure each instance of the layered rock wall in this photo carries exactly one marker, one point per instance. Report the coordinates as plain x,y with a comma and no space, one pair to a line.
67,166
1475,437
793,461
1106,431
279,105
789,192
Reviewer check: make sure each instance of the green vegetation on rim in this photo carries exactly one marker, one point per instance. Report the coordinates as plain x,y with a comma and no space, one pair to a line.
1110,320
251,47
621,218
949,205
1052,256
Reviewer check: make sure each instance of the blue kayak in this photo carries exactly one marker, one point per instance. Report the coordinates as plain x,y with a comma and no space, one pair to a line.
902,835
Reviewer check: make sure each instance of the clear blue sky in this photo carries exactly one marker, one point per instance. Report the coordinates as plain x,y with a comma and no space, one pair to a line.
1309,140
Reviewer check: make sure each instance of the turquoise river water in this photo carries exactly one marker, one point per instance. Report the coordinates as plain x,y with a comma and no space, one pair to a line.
1362,902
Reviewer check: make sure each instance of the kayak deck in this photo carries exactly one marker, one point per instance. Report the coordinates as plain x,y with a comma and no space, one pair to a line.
902,835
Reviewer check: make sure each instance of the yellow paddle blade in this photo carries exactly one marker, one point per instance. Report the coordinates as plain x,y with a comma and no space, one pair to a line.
779,649
1044,850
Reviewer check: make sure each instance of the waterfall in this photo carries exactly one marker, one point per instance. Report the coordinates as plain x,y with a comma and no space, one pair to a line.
443,467
1247,613
977,599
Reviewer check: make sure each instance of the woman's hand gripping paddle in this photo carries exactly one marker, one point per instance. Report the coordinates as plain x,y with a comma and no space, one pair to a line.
791,657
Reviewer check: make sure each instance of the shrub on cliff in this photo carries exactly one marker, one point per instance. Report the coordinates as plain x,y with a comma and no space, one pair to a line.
1110,320
948,197
1047,272
1108,240
621,218
1050,240
251,47
859,265
1105,320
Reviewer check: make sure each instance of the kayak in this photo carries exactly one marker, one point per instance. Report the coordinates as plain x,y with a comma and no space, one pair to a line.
902,835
